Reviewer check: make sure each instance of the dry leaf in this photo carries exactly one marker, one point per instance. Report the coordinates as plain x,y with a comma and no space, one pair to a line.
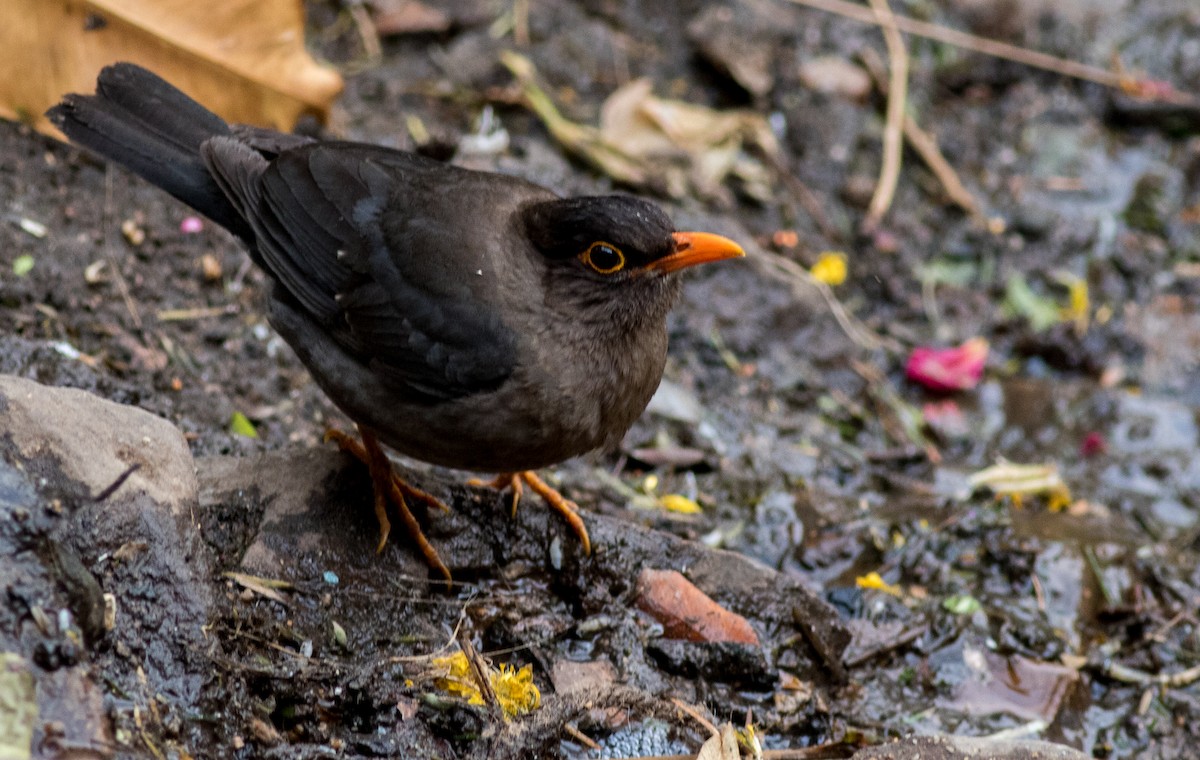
262,586
583,140
244,59
1016,481
686,612
650,141
689,143
722,746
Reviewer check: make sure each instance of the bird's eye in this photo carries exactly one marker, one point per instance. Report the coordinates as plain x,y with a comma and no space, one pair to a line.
603,257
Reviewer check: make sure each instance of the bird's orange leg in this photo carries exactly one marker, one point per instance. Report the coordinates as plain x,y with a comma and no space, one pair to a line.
555,500
500,482
389,486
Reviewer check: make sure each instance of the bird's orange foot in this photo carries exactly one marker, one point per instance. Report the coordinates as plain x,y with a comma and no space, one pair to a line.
391,487
555,500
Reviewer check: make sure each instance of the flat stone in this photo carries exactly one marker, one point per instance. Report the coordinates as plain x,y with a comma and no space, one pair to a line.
968,748
94,441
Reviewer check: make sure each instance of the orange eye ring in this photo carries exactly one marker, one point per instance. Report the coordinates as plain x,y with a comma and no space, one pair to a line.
603,258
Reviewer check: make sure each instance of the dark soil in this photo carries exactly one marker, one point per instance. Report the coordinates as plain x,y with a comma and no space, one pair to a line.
793,436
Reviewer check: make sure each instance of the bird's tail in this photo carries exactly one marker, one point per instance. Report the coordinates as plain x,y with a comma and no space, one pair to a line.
149,126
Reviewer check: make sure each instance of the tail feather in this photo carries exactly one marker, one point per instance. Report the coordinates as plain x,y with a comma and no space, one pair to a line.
138,120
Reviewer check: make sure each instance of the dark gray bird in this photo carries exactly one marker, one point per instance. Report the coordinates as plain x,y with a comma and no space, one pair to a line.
467,319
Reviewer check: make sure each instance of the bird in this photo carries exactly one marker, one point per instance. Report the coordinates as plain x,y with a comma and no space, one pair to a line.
467,319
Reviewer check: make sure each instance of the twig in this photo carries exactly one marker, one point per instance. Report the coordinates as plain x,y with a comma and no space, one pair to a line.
520,13
202,312
793,274
120,481
479,673
1032,728
1110,598
145,735
122,284
1038,592
926,145
927,148
462,616
368,34
1166,680
1160,635
893,133
994,48
694,714
890,408
804,195
581,737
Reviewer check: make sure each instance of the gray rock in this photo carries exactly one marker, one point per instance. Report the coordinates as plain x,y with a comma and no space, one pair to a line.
674,402
66,555
94,441
967,748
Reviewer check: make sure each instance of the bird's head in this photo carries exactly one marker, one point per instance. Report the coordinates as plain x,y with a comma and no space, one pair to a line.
605,251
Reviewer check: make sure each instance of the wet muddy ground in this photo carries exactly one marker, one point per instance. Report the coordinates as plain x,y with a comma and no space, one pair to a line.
807,449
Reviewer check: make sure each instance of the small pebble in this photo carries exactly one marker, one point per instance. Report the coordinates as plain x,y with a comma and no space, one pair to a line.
133,232
210,266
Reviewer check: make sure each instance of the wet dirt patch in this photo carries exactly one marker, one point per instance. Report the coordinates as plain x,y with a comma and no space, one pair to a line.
798,458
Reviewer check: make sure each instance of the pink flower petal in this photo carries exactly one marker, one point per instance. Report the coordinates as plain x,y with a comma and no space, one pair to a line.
946,419
191,225
948,369
1093,444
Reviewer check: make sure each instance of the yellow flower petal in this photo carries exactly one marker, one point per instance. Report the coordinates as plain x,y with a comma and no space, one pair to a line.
515,690
873,580
674,502
830,268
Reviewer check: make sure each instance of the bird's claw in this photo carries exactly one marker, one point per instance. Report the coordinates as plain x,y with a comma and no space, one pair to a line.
555,500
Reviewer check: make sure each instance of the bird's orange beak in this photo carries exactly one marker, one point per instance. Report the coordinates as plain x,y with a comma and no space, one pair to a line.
692,248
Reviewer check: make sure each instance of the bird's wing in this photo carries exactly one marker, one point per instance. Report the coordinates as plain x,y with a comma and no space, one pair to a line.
348,232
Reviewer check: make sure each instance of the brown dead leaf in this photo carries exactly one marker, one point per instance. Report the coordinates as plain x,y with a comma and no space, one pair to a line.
721,746
686,612
691,144
244,59
581,139
650,141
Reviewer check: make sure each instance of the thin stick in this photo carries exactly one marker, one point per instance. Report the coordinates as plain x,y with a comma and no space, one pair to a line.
893,133
122,284
200,312
479,673
788,271
1038,592
926,146
805,196
120,481
991,47
520,13
695,715
368,34
581,737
